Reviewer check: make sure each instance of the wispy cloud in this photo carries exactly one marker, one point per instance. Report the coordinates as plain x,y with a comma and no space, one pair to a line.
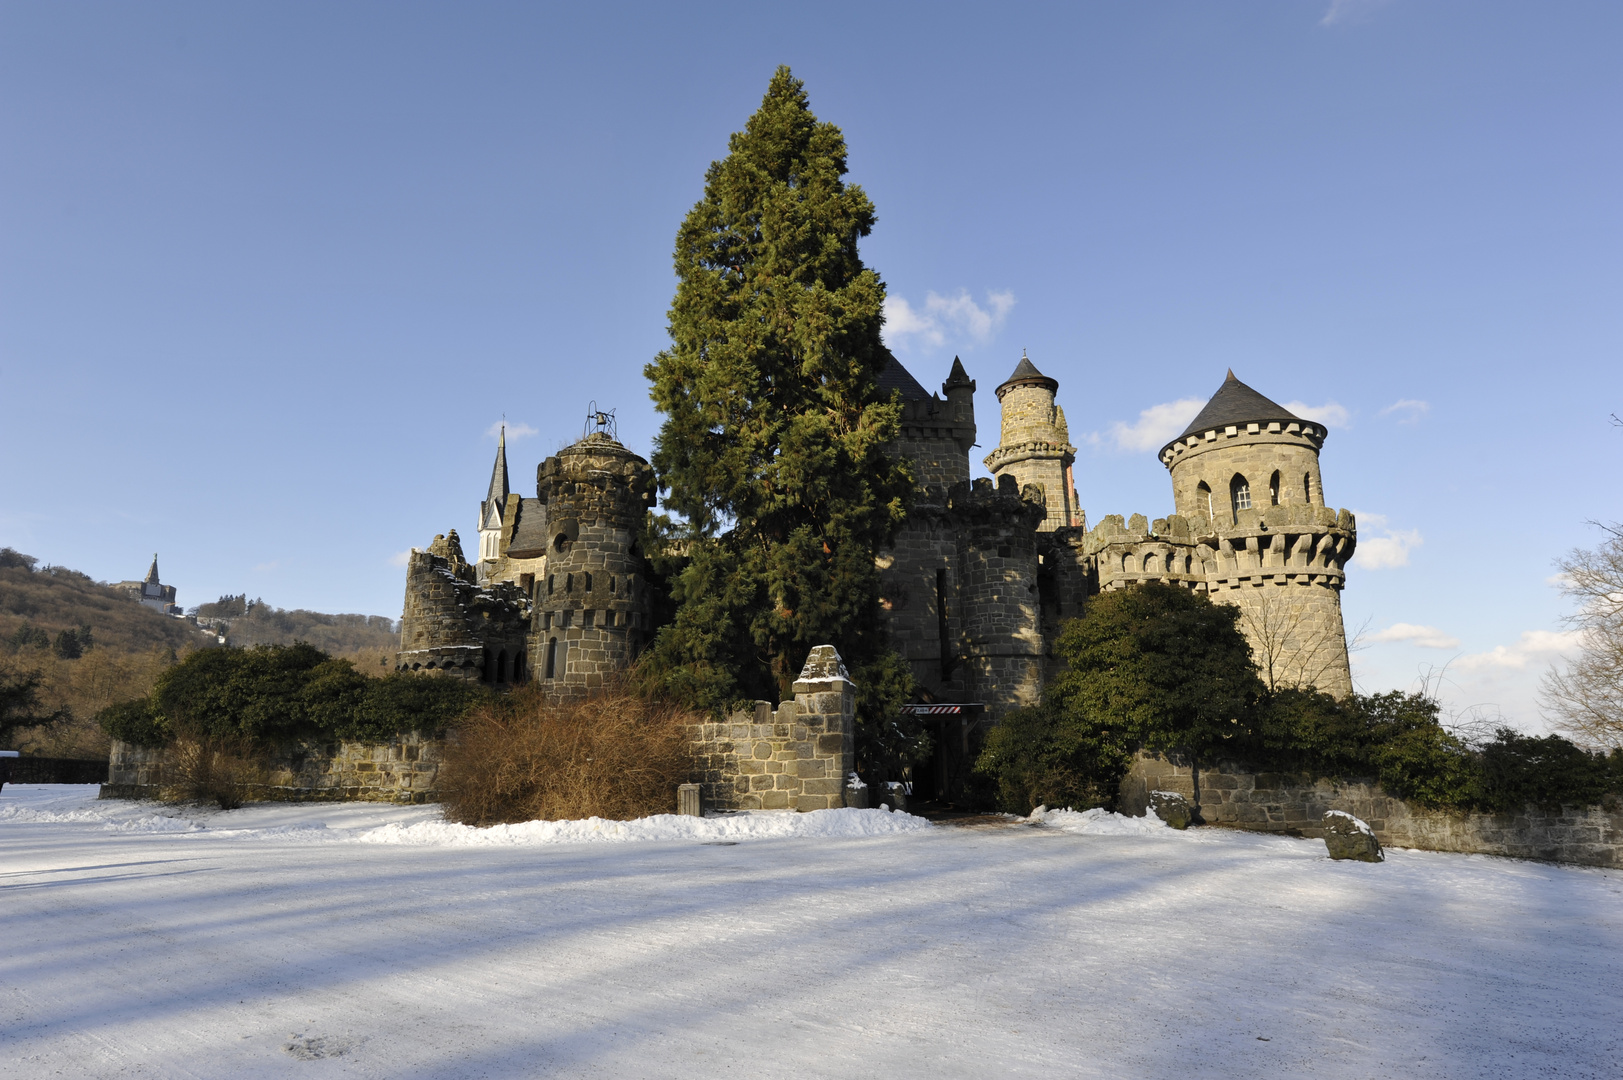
1407,410
958,319
400,558
1534,646
1386,551
1155,427
1347,11
267,567
515,431
1329,414
1427,637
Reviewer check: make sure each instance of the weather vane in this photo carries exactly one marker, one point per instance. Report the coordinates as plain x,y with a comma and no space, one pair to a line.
599,422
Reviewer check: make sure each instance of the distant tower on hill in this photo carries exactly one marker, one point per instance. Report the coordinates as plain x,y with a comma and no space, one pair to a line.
1035,445
151,592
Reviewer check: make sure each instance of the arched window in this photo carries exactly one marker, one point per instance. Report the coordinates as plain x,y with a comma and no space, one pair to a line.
1307,488
518,667
1273,489
1239,495
501,666
489,673
552,658
1204,495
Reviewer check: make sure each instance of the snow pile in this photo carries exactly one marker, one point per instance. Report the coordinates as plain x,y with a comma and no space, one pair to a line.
385,823
827,824
1099,822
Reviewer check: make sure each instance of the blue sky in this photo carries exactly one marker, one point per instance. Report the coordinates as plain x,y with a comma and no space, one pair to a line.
269,274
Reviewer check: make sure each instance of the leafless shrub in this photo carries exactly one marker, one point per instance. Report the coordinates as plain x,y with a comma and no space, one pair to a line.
1586,700
212,769
617,754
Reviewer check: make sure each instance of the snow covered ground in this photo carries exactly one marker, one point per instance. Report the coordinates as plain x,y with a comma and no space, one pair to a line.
376,941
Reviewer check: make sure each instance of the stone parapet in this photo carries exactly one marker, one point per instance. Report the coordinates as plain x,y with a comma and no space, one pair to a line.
1295,805
402,770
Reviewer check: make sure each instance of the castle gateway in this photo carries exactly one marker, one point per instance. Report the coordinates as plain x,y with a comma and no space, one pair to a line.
979,579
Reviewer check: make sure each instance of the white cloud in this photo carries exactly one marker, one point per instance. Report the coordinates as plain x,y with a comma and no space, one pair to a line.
1535,646
945,318
400,558
1427,637
1383,552
1407,410
1386,552
514,431
1156,425
1346,11
1329,414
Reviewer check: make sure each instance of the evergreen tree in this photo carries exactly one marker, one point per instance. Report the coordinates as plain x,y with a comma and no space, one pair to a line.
772,448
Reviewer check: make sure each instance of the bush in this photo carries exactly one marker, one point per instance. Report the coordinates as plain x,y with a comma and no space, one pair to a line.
1040,756
1548,772
521,758
212,768
136,723
410,701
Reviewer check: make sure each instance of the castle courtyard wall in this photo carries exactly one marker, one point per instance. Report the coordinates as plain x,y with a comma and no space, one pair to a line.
1294,805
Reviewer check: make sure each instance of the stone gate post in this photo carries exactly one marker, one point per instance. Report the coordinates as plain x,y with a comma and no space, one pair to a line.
826,701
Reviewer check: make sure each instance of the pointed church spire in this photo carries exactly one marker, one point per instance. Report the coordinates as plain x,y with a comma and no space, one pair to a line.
498,474
152,574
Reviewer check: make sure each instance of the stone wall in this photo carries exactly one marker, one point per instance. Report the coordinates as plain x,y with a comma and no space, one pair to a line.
402,770
796,757
1001,618
1295,805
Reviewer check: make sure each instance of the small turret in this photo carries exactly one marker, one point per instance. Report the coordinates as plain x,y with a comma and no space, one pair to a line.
1035,445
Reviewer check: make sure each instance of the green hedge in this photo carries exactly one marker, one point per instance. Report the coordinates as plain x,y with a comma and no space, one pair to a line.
1167,670
275,693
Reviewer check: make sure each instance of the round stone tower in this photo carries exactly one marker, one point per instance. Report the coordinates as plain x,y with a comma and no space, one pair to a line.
591,610
1035,445
1245,477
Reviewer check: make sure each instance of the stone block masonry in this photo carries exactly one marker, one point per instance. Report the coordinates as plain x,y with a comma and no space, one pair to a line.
795,757
1296,805
402,770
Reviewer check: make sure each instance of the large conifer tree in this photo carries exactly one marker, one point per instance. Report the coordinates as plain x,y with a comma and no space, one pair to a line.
772,448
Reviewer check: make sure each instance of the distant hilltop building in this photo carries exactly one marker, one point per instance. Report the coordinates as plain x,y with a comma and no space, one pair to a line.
981,575
151,592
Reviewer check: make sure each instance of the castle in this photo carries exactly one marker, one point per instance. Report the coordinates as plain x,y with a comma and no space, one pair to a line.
980,576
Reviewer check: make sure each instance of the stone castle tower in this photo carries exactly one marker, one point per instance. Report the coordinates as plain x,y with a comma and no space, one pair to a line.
592,608
559,591
1035,445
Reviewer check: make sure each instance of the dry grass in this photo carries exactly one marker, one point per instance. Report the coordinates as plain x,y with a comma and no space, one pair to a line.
209,769
616,755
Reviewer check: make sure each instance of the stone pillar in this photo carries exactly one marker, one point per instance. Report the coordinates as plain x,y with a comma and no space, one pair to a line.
826,701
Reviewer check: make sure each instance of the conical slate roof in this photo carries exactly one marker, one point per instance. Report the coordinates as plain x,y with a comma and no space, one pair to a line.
1236,403
957,376
1026,374
895,377
152,574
